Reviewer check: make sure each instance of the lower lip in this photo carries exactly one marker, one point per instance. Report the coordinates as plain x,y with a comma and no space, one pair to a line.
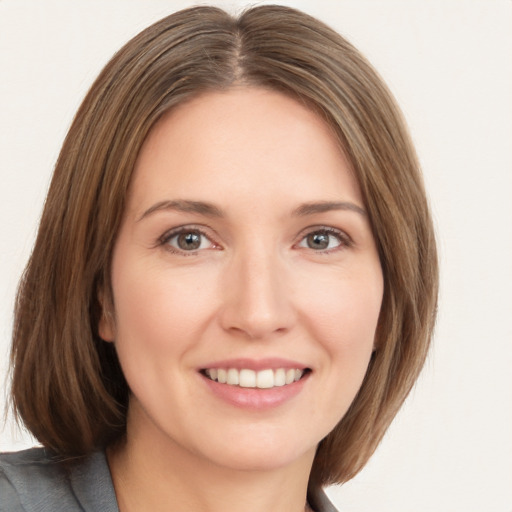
256,398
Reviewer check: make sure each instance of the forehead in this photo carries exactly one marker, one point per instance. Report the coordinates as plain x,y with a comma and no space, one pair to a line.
245,142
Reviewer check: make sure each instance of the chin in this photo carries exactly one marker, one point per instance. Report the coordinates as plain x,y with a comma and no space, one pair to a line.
261,453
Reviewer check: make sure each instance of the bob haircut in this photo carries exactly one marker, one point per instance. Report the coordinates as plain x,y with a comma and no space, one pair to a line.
68,387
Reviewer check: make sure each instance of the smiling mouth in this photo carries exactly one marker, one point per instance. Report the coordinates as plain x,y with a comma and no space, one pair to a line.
263,379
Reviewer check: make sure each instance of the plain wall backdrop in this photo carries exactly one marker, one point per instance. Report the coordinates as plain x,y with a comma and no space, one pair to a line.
448,64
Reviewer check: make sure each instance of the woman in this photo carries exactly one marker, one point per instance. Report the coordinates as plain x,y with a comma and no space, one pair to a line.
234,282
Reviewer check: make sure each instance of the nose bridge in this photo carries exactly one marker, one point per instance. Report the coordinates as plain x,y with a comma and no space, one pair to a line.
257,291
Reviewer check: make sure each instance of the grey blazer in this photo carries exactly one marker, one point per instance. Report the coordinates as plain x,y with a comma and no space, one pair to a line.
30,481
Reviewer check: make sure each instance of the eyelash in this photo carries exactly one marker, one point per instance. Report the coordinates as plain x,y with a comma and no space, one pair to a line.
183,230
344,240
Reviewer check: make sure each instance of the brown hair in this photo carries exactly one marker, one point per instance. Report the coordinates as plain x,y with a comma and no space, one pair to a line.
67,386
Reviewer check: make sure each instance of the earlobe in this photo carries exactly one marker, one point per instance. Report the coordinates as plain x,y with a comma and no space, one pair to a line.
106,323
106,328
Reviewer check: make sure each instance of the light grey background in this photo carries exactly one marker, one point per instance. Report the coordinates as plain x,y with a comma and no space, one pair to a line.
448,63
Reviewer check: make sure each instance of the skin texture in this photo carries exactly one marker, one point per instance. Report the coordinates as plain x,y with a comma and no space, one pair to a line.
253,289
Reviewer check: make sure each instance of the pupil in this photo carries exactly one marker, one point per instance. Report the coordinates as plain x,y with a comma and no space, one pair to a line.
189,241
318,241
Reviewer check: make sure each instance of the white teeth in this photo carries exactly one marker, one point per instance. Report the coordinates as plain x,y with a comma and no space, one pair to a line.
247,378
222,376
290,376
233,377
280,377
264,379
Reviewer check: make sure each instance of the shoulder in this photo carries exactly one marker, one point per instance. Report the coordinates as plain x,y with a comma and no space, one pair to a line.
319,501
26,475
34,480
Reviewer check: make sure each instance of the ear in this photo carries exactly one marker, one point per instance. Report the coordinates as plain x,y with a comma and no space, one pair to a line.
377,339
106,328
106,323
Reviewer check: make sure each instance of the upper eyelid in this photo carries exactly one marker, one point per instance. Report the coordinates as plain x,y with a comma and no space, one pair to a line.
331,229
187,227
345,240
170,233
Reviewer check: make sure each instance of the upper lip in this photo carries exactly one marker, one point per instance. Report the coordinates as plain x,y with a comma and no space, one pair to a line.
272,363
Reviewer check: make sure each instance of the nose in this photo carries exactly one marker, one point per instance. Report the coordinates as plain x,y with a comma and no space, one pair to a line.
257,295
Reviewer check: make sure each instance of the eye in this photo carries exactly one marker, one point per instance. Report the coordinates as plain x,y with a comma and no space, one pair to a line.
187,240
324,240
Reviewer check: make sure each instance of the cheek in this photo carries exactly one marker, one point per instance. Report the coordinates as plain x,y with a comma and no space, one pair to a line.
159,319
346,310
160,308
343,315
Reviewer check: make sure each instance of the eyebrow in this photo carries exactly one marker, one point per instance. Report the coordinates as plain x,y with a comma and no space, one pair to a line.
327,206
210,210
182,205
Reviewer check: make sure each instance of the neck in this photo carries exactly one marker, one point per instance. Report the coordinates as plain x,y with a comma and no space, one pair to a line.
150,476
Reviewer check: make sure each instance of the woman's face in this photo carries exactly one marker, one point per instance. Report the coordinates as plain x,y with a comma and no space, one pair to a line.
245,254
